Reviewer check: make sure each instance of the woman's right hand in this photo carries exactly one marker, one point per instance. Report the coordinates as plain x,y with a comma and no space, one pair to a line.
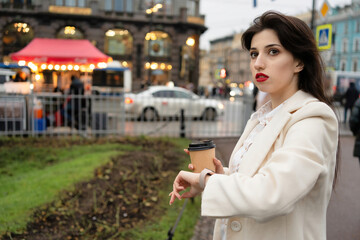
183,181
218,165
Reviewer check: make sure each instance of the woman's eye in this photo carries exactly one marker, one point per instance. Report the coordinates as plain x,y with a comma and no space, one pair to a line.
273,51
253,54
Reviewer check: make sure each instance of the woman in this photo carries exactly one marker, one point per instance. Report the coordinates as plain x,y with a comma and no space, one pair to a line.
281,171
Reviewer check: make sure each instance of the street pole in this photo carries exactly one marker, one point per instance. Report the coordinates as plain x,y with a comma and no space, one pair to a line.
154,8
312,24
149,44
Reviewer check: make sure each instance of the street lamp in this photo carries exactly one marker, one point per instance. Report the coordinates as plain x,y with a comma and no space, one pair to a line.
154,8
150,11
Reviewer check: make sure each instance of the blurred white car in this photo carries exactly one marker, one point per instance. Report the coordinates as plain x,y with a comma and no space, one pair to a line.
161,101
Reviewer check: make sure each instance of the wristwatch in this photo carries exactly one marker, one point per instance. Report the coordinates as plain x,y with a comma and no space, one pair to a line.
205,172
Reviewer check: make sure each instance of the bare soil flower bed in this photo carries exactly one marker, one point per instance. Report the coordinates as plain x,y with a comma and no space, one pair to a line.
122,194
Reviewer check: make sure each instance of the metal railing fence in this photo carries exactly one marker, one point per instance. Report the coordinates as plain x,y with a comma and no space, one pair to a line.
50,114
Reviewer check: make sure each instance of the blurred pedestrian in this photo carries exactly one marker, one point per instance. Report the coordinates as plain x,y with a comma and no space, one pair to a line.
355,128
76,107
282,170
350,97
20,76
76,86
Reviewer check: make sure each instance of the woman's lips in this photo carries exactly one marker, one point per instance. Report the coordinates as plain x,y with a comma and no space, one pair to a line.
260,77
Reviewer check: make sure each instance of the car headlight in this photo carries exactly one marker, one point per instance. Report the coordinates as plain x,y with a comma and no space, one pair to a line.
220,106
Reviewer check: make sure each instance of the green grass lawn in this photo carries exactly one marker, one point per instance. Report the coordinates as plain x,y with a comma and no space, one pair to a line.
31,177
29,183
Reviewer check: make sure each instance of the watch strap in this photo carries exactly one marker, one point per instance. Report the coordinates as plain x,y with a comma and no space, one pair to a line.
203,175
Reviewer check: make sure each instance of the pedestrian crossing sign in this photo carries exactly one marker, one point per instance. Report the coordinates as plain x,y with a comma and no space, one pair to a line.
324,36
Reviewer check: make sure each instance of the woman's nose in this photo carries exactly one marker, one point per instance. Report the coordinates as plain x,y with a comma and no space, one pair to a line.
259,62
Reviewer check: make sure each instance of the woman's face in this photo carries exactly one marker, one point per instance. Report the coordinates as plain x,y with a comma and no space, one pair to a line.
274,69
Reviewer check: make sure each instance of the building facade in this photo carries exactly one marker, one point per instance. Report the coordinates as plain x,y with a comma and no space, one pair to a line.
225,53
344,54
157,39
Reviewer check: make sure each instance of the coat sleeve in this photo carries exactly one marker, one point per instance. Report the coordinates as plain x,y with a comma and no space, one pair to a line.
289,174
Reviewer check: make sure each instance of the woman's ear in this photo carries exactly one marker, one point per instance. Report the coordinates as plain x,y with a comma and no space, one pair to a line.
299,67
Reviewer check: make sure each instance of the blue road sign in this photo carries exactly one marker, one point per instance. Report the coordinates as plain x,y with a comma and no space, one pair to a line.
324,36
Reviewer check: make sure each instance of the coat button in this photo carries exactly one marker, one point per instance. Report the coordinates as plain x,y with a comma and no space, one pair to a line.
235,226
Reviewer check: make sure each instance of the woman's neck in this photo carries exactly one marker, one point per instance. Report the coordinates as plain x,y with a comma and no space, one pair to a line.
276,100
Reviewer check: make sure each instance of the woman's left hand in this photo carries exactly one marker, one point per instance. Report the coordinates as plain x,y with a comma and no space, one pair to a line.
182,181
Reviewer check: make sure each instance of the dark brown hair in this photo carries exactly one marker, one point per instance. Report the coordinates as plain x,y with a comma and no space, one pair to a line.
296,37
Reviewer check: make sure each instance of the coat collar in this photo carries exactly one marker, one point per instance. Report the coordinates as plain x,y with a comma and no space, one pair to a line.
265,139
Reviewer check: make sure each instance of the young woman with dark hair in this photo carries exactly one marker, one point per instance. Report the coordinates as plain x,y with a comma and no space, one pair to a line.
281,172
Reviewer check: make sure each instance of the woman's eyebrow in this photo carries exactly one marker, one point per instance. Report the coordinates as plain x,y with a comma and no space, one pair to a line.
268,46
273,45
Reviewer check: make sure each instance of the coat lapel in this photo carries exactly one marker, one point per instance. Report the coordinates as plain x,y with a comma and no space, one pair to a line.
262,144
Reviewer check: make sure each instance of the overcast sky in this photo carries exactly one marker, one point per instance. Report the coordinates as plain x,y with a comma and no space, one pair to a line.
225,17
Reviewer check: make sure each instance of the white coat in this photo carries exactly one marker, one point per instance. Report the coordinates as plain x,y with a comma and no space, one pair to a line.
284,182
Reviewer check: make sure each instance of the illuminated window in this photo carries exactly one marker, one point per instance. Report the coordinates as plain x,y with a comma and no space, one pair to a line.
118,42
160,44
16,36
70,32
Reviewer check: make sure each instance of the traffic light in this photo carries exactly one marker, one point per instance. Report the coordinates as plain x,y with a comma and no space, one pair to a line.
223,73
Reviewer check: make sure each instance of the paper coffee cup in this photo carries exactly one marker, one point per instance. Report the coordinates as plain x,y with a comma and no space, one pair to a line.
202,154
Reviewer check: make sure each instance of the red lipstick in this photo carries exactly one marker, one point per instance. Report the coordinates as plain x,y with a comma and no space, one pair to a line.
261,77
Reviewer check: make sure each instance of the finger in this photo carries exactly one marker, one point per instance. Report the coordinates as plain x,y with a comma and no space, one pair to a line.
180,188
218,166
186,151
177,195
191,167
172,199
